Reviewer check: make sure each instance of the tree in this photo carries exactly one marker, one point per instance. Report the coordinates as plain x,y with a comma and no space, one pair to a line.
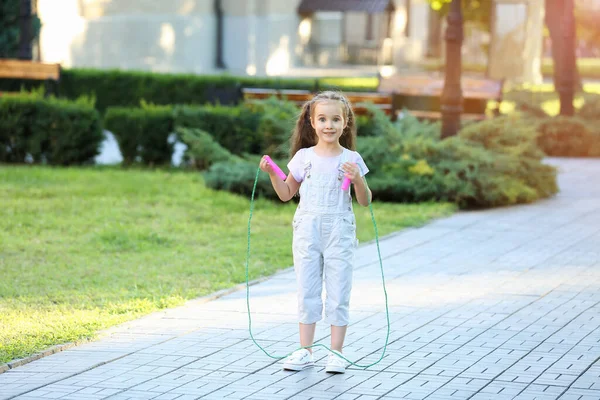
452,99
560,21
10,30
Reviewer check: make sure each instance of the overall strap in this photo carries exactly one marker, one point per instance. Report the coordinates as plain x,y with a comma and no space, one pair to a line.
345,155
345,158
308,162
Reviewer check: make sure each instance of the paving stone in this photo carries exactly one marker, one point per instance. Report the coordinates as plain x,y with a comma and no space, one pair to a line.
380,383
418,387
581,394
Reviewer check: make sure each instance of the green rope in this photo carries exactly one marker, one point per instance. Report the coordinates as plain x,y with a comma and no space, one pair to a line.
318,344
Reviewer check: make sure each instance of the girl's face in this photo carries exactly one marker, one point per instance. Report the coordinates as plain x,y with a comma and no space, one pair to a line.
328,121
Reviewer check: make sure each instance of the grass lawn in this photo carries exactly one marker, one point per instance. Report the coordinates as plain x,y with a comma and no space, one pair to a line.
82,249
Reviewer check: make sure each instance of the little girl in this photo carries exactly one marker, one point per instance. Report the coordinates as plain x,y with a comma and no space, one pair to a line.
322,151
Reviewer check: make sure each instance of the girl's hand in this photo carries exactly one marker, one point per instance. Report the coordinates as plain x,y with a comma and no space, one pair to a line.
351,171
265,166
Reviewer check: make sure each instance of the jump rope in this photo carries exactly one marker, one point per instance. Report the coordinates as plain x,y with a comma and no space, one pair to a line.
345,186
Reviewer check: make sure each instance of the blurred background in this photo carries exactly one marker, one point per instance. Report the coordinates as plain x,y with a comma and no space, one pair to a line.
504,39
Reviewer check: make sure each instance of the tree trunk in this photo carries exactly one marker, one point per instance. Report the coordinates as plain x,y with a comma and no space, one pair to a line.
553,23
560,20
452,99
219,63
25,36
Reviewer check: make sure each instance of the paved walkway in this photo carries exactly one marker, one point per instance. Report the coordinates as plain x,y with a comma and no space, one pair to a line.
494,304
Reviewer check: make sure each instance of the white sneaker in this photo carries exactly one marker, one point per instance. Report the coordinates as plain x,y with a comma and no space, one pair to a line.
299,360
336,364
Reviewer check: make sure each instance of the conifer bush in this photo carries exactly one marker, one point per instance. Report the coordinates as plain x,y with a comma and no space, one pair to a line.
202,149
492,163
569,137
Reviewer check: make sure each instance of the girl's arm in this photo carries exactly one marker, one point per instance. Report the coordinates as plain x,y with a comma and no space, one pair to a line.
361,189
284,189
362,192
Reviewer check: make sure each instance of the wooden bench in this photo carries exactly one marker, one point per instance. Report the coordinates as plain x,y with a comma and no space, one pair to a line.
393,92
298,97
24,69
477,92
382,101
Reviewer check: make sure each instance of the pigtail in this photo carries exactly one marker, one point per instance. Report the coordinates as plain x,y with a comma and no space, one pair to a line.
348,138
304,135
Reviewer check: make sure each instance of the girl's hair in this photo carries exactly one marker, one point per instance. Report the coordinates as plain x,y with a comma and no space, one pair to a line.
304,134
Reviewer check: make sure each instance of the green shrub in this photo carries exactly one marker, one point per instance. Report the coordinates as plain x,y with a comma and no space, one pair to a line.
234,128
530,102
395,141
373,151
505,135
591,108
518,159
374,123
16,117
238,177
48,130
142,133
276,122
488,164
114,88
421,168
202,150
568,137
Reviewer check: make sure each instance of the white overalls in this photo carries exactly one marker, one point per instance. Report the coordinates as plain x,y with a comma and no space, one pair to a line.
324,244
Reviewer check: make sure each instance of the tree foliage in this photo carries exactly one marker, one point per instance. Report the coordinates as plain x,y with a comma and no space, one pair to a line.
477,11
10,31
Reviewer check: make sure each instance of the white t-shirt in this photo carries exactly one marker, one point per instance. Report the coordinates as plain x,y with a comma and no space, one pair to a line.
297,165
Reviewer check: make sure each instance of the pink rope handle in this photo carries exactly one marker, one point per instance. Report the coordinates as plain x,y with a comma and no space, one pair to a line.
276,168
346,183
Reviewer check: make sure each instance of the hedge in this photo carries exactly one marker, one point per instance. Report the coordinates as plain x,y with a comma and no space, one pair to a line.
261,127
49,131
117,88
142,133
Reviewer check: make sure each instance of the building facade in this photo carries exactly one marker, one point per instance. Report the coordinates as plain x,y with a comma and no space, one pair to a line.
272,37
255,37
